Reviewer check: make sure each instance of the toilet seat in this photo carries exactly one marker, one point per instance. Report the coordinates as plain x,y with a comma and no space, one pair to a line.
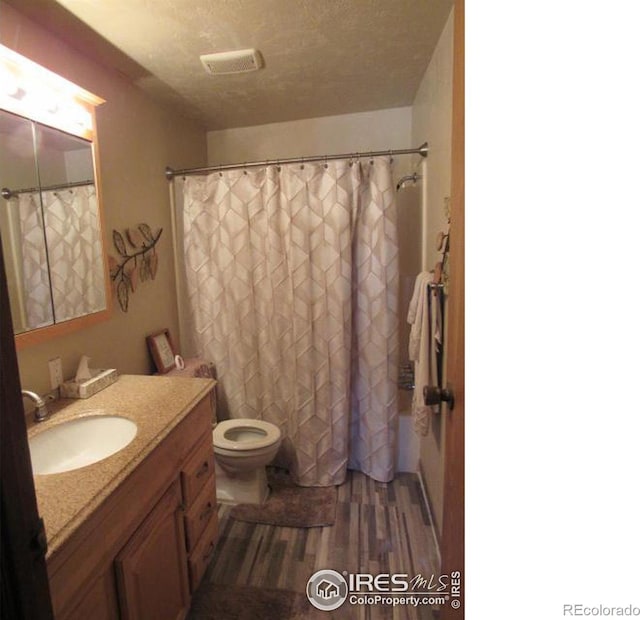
259,434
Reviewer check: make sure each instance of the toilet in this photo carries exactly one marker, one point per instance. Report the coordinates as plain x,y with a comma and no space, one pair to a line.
243,447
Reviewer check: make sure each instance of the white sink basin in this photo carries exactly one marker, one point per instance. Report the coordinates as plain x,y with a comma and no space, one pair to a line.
80,442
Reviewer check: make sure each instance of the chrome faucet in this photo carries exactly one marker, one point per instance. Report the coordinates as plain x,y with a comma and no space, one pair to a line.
41,411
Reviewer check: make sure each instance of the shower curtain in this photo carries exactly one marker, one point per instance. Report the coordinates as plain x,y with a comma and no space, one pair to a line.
36,293
74,245
292,278
69,267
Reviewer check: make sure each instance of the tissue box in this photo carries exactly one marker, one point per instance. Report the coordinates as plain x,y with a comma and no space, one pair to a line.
100,380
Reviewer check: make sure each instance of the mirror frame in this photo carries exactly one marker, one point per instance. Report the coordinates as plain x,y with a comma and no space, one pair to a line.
87,101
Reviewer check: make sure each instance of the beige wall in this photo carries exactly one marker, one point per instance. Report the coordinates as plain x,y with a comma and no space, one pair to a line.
137,139
432,118
346,133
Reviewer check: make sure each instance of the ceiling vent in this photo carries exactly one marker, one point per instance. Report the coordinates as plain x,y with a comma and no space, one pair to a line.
238,61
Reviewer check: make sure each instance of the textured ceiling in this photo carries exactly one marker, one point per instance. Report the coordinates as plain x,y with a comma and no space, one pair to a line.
322,57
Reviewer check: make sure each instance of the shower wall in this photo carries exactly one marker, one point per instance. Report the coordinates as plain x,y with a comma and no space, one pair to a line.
366,131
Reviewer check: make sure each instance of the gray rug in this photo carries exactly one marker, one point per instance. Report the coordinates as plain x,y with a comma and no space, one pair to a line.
289,505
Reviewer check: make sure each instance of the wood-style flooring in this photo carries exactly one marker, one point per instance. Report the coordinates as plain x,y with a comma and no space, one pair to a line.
379,528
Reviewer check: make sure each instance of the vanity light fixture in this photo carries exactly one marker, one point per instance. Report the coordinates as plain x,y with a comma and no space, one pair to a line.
10,87
37,93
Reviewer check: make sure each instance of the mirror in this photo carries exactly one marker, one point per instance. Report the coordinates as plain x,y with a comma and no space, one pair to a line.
52,239
50,217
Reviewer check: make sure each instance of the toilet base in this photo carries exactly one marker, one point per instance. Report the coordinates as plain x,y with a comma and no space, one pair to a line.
248,487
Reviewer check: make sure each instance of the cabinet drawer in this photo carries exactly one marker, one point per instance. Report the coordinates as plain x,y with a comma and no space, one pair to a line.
197,517
197,471
200,557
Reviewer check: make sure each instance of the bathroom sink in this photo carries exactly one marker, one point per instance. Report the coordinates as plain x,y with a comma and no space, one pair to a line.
79,442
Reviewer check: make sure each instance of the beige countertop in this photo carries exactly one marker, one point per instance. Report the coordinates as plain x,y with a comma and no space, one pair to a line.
156,404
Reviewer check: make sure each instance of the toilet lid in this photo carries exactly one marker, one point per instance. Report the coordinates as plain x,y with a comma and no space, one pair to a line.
245,434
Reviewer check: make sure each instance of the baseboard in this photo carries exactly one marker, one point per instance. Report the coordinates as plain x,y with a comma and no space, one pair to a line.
428,504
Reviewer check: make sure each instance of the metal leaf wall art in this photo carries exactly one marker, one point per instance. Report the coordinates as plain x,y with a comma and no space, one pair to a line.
137,261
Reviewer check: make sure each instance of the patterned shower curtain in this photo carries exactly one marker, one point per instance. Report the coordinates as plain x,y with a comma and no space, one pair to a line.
74,246
70,266
38,310
292,278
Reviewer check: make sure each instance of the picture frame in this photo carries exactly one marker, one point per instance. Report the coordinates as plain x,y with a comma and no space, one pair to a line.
162,351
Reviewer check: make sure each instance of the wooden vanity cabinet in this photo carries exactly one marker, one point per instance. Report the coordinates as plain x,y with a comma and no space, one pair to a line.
202,553
131,559
152,581
201,515
98,602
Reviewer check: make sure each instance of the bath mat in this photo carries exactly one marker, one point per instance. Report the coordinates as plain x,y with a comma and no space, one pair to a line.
289,505
222,602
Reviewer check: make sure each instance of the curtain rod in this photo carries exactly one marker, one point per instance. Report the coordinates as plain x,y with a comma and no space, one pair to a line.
10,193
423,149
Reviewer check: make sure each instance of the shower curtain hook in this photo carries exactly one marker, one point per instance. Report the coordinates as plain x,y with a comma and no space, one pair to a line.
302,163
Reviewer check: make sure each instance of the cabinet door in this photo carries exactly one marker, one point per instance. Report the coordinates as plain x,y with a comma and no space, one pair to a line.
99,601
151,568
